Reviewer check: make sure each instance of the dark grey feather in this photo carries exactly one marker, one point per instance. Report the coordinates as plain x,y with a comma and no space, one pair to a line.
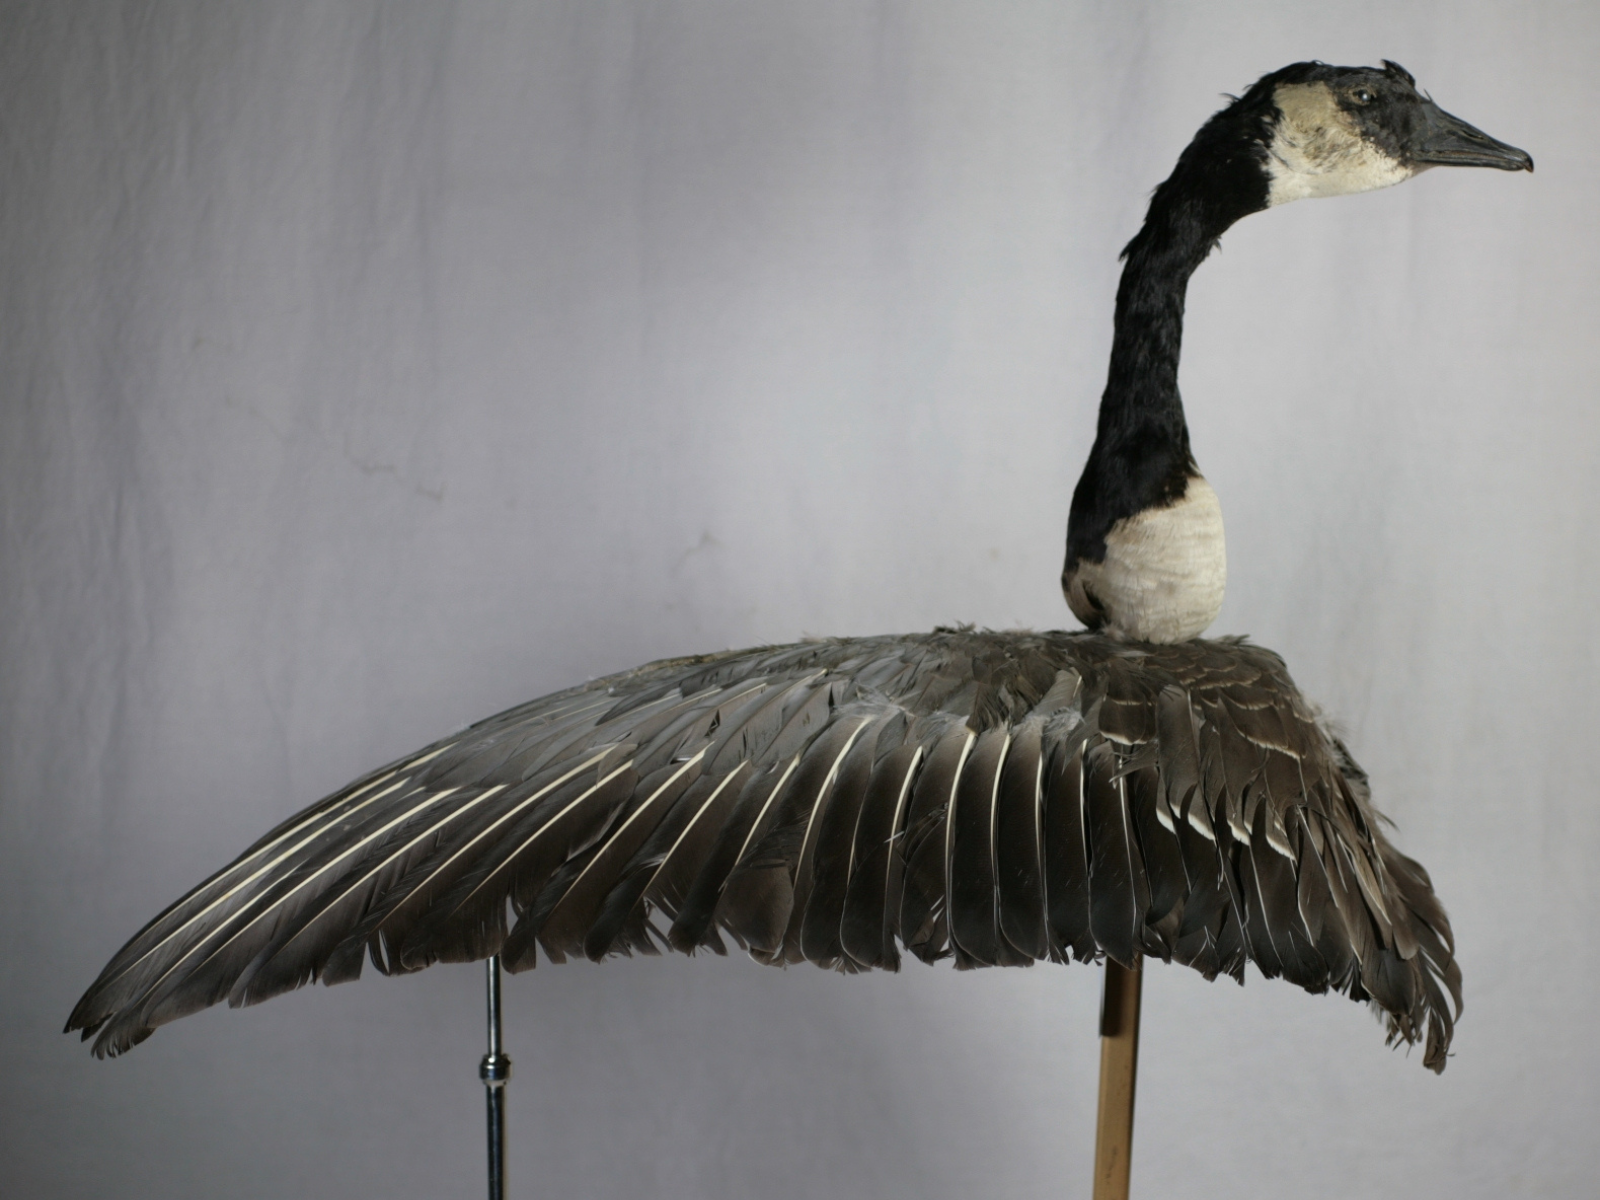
832,858
924,927
868,923
1066,854
1019,845
970,870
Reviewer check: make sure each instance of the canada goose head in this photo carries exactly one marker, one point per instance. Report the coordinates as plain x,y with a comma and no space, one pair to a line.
1338,130
1145,549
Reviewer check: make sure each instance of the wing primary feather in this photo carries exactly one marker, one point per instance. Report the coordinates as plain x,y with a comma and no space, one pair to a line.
803,874
1019,845
669,887
123,964
866,929
1156,844
443,912
260,980
1066,862
1115,913
694,925
832,862
1260,936
511,814
645,880
167,1001
1205,902
768,884
924,929
1278,892
971,887
569,916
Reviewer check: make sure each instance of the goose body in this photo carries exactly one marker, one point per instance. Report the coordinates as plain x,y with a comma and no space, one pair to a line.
997,798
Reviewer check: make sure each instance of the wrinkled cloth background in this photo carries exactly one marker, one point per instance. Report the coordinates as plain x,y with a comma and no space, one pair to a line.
370,368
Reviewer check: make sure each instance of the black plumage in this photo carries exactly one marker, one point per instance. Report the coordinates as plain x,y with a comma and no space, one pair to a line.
830,802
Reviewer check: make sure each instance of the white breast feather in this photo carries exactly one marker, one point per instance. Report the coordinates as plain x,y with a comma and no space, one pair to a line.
1165,569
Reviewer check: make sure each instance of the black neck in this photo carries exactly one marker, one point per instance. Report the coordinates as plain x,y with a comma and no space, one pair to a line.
1141,404
1141,455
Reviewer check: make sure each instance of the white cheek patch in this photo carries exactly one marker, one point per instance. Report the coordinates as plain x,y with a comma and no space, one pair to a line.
1316,150
1164,572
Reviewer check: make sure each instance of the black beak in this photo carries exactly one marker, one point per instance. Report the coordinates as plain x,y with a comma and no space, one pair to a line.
1448,141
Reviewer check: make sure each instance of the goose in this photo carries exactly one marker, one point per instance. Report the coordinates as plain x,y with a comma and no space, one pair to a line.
1126,791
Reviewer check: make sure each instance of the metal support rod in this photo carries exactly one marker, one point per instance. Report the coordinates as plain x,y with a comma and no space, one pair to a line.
1119,1064
495,1070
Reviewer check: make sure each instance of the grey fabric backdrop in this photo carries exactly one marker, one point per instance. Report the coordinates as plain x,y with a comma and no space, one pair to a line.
368,369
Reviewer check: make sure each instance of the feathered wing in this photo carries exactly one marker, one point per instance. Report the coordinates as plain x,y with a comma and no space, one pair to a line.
995,798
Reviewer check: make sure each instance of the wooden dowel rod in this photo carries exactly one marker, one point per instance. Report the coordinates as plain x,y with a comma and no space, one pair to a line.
1119,1064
